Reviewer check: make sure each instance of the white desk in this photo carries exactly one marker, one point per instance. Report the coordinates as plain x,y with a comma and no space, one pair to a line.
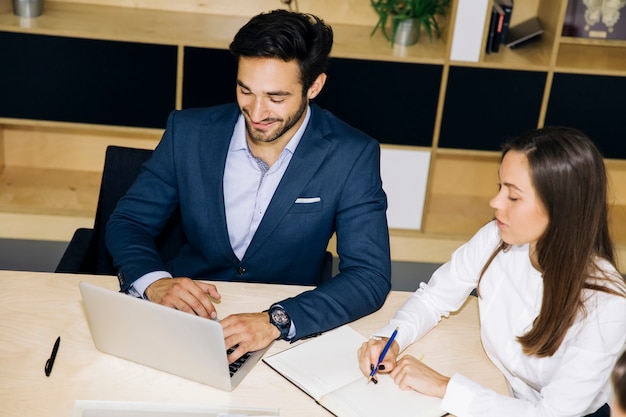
35,308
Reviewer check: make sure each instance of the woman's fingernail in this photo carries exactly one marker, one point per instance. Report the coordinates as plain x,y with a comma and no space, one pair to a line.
371,366
374,380
381,367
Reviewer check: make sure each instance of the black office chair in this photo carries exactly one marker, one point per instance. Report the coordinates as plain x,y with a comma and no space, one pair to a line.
87,252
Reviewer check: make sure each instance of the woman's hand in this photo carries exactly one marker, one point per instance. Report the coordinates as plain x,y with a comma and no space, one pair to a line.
370,351
411,374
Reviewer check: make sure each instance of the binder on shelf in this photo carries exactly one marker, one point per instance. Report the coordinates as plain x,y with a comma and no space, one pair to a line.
507,6
497,36
492,31
495,28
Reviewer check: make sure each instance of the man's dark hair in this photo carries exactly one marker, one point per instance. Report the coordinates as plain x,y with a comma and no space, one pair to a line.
287,35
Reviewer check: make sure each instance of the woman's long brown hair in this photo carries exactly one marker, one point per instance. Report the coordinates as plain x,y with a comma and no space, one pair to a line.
569,177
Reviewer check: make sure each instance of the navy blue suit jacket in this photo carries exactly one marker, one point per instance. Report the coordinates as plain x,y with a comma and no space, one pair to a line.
333,161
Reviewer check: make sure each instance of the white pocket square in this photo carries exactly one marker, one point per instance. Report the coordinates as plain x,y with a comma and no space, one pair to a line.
307,200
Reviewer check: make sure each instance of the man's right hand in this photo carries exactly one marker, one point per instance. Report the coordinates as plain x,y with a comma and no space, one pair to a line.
185,294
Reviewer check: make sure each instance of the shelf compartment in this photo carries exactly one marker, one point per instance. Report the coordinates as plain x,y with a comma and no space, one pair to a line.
531,57
588,58
592,104
166,27
87,81
29,190
461,187
484,107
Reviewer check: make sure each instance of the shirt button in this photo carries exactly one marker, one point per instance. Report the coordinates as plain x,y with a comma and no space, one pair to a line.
241,270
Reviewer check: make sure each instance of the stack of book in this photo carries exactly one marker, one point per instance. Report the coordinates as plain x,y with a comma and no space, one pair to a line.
499,24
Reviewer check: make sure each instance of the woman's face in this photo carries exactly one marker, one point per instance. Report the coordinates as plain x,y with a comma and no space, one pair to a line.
520,215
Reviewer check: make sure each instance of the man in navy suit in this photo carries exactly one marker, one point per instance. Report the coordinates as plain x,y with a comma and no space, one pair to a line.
262,185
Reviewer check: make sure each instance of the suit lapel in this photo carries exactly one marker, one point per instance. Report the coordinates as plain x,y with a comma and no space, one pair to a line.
214,144
309,155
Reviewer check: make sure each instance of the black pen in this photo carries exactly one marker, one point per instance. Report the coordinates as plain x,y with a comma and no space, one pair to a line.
53,355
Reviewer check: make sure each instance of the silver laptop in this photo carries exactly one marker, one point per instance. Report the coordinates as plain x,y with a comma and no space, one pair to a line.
163,338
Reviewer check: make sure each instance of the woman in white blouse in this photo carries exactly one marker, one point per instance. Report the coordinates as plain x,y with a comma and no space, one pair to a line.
552,304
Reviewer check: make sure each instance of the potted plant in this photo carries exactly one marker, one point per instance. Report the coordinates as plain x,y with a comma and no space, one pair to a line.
419,13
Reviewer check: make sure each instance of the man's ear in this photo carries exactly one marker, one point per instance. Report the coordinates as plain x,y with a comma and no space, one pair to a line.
317,86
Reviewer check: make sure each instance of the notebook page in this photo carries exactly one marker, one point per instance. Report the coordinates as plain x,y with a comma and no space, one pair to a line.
322,364
360,399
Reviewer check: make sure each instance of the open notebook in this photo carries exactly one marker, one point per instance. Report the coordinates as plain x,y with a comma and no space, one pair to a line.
327,369
134,329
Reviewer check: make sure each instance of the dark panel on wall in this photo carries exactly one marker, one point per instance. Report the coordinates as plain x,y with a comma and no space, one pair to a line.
208,77
86,81
486,107
593,104
396,103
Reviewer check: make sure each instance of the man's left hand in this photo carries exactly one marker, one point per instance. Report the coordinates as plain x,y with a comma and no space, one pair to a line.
251,331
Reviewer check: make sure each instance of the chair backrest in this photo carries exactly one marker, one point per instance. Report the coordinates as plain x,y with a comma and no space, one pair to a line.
121,167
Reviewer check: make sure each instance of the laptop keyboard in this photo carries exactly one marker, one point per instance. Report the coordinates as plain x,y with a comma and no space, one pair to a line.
235,366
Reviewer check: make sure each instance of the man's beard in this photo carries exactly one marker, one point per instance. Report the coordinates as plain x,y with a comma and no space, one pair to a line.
269,136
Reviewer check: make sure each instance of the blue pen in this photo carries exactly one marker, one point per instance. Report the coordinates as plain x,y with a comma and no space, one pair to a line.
383,353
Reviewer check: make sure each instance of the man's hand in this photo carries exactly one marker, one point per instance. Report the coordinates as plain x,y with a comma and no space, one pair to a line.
185,294
251,331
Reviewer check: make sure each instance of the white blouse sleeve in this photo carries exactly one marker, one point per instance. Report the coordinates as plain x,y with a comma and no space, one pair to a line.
446,291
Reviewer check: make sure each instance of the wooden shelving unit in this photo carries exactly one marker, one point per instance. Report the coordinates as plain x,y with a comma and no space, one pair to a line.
52,168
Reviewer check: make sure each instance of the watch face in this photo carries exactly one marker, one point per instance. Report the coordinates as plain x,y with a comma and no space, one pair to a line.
280,317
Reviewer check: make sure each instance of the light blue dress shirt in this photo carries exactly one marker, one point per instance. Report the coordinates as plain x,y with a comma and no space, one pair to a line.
249,185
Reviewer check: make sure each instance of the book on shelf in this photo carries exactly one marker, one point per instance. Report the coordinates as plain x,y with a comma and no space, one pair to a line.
495,28
507,6
492,30
326,368
524,32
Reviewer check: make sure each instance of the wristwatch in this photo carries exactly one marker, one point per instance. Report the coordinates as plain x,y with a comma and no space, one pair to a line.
280,319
